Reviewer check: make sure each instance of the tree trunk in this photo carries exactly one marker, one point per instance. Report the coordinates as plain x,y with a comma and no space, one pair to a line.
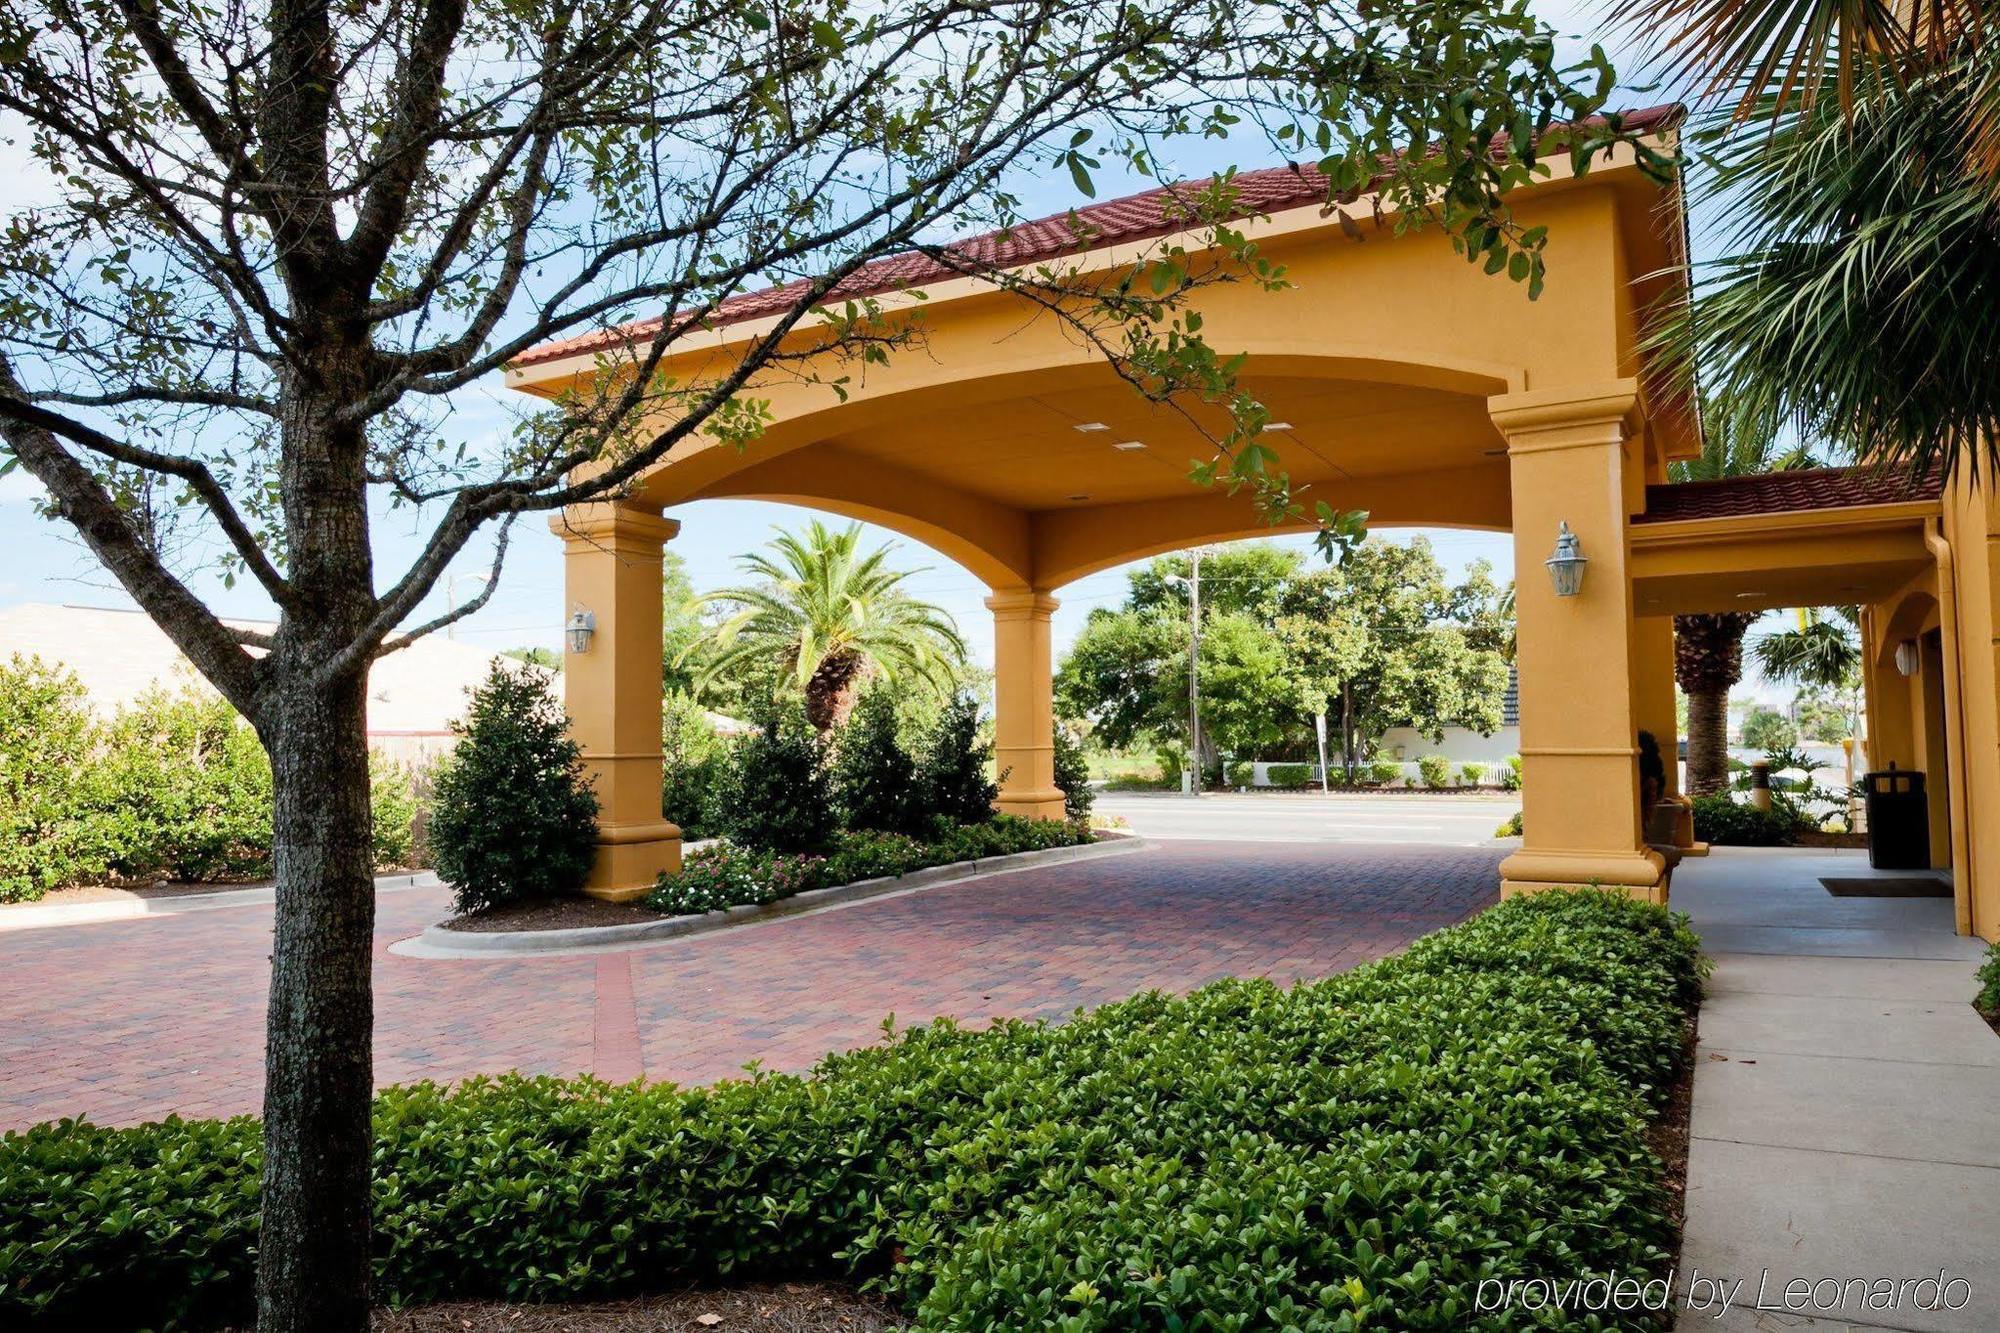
1708,659
313,1250
1708,742
313,1253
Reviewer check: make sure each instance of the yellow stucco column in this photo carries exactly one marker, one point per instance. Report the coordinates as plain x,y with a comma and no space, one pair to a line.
612,573
1024,717
1569,459
1653,710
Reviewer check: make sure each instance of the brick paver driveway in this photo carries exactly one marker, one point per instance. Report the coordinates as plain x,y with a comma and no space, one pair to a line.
130,1020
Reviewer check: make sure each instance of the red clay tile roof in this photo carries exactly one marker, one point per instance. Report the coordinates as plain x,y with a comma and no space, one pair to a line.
1137,217
1785,492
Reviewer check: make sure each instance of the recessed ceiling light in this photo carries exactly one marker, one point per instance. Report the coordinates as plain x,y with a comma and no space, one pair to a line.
1277,425
1077,499
1127,446
1088,426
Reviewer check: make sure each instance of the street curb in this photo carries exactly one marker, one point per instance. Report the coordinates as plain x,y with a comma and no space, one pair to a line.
438,942
43,916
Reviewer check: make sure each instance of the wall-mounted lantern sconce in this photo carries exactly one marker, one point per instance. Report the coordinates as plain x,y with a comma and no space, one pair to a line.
1566,565
1908,658
581,626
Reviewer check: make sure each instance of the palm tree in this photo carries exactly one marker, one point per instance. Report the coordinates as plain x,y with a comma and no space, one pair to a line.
1708,649
832,616
1856,300
1823,652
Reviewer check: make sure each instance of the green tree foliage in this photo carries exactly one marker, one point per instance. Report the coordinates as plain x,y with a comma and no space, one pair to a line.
683,631
1766,728
954,774
1386,637
1823,718
1861,244
874,776
513,816
779,797
832,617
694,771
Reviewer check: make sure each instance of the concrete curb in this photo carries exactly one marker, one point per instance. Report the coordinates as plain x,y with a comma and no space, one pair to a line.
438,942
42,916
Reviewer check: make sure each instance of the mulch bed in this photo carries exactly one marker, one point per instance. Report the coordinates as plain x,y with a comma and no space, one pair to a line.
554,914
1668,1137
787,1307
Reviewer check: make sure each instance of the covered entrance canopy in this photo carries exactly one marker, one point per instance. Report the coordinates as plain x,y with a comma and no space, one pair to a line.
1400,380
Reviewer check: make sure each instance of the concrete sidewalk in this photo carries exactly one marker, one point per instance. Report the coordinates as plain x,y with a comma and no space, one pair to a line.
1846,1120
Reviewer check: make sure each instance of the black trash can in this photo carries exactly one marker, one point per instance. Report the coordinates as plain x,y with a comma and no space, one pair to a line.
1899,819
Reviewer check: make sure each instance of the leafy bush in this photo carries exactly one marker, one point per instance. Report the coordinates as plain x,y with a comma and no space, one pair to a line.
694,769
1073,775
1471,775
1988,999
725,876
392,806
1383,772
778,797
1720,820
1434,770
874,777
1354,1152
1291,776
49,837
513,815
1510,829
953,779
1510,774
176,785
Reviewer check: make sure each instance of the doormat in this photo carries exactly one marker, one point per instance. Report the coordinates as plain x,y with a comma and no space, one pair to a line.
1895,886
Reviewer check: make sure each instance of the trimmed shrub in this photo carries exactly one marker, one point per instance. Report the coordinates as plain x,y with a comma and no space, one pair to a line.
1241,773
1292,777
874,777
1722,821
1471,775
1510,829
50,835
512,815
953,779
1355,1152
185,790
1510,774
694,771
1434,770
725,876
1073,775
1383,772
778,798
392,807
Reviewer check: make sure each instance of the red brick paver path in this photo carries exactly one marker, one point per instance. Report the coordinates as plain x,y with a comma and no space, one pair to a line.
128,1021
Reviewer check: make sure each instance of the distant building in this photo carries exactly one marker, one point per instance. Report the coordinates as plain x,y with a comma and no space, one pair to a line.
413,695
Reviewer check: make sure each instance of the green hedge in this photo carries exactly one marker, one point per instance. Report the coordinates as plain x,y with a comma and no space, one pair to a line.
175,785
1293,777
1726,823
723,875
1357,1151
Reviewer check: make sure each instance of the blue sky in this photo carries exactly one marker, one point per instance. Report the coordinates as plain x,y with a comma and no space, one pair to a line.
45,563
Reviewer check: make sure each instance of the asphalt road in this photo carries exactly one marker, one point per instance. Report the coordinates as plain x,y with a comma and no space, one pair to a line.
1438,821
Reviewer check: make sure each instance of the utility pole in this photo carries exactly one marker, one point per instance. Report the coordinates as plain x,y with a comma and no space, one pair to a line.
1194,667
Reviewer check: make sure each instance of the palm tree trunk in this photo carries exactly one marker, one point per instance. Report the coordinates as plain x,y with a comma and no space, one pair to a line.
1708,659
1708,742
